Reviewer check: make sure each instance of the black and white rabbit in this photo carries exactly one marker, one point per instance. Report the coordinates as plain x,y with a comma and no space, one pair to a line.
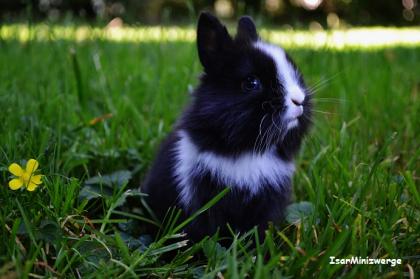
242,130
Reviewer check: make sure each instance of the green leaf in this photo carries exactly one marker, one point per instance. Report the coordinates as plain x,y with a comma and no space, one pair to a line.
92,252
104,186
297,212
141,243
129,193
118,178
48,231
213,251
89,192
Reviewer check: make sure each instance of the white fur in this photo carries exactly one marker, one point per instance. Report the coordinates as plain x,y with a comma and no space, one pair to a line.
247,171
289,78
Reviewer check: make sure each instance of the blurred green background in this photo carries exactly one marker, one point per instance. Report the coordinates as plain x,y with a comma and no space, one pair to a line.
297,13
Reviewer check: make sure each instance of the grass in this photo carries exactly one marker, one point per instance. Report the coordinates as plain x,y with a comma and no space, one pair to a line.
89,107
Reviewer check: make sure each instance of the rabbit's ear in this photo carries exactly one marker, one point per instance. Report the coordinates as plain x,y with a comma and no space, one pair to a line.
246,30
213,41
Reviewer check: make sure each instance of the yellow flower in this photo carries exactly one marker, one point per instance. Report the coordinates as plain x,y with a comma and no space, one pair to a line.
25,177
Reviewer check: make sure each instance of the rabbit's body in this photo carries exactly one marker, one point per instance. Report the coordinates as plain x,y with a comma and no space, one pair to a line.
188,178
242,130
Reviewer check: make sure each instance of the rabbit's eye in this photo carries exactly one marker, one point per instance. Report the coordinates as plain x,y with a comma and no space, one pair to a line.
251,84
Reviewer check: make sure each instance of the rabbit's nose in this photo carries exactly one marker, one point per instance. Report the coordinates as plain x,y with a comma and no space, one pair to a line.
296,95
297,102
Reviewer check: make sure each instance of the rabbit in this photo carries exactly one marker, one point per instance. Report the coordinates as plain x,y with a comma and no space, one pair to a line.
242,130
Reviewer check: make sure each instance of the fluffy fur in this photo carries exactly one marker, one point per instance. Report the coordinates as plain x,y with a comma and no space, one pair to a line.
242,130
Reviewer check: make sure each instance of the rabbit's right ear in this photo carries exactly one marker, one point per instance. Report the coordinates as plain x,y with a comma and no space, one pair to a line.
213,41
247,31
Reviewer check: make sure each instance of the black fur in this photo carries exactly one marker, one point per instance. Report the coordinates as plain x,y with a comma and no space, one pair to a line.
225,120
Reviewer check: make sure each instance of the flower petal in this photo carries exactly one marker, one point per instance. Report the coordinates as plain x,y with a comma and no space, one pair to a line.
31,186
15,169
15,184
36,179
31,165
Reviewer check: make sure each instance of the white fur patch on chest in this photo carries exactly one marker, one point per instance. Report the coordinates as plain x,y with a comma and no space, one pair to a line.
248,171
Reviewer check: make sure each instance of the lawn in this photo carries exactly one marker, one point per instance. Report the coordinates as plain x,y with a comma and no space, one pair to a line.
92,106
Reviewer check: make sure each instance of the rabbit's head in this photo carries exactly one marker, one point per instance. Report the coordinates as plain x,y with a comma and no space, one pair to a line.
251,97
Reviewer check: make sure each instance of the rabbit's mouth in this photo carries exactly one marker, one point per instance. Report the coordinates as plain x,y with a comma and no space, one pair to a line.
292,123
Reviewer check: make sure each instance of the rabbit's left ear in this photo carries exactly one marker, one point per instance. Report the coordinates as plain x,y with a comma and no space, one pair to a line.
213,42
246,30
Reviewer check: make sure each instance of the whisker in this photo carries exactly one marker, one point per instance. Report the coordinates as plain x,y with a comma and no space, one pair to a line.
333,99
314,122
272,120
314,88
259,132
335,75
280,131
321,100
270,138
261,141
324,112
264,139
320,84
